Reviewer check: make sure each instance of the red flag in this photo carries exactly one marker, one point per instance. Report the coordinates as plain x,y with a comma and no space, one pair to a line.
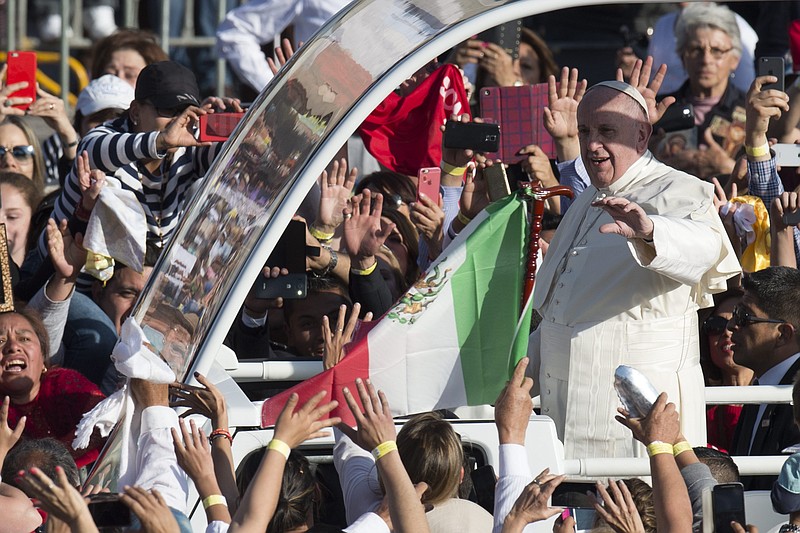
403,133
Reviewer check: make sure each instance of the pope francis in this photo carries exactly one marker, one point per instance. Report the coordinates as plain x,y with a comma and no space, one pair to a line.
635,257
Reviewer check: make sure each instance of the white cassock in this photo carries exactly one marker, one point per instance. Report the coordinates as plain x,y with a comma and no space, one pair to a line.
606,301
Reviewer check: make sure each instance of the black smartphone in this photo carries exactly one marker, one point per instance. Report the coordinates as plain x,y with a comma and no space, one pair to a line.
772,66
676,118
506,35
728,503
289,253
484,481
481,137
108,511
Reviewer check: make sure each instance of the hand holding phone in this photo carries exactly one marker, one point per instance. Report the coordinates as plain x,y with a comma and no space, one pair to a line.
218,126
772,66
478,136
21,67
428,181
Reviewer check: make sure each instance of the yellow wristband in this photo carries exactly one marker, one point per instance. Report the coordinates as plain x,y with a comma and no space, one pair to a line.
214,499
447,168
757,151
367,271
384,448
658,447
461,217
319,235
681,447
280,447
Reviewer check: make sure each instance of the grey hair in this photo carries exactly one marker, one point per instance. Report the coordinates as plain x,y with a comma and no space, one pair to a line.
706,15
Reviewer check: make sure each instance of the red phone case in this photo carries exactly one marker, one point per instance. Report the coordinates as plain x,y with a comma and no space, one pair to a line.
218,126
428,180
519,111
22,67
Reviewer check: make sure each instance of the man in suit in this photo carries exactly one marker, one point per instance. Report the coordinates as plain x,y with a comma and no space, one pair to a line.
765,338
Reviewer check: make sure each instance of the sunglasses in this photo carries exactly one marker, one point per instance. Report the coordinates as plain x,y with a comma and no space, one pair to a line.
168,112
715,325
20,153
743,319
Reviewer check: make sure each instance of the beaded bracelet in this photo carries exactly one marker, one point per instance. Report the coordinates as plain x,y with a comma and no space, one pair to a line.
384,449
220,432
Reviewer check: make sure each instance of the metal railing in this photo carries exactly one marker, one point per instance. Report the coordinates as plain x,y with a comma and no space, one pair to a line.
72,11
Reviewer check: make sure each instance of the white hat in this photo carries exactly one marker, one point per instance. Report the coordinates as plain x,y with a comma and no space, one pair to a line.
105,92
628,89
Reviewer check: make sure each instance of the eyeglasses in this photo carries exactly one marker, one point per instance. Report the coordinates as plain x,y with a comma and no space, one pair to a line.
743,319
22,153
699,51
715,325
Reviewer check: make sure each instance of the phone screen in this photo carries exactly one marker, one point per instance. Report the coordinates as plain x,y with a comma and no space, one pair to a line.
728,500
108,511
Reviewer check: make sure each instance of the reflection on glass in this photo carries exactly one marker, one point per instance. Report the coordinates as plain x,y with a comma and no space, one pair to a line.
277,138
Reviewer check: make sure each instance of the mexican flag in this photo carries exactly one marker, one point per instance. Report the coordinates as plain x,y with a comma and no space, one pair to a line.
454,338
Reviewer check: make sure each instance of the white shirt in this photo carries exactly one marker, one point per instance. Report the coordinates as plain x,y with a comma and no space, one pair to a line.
513,476
246,28
773,376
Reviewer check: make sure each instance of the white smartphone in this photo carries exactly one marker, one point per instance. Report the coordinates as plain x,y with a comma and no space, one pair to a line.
787,155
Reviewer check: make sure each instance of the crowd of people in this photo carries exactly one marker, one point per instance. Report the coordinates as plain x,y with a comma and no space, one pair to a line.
674,256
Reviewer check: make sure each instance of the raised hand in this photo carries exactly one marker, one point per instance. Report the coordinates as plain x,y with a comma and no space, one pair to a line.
8,437
561,112
222,103
726,209
193,451
498,65
470,51
661,424
334,195
282,53
475,194
206,400
762,106
151,509
363,234
640,76
630,220
786,203
531,506
91,181
67,254
297,425
179,132
537,166
7,103
57,497
428,218
335,340
513,407
374,425
618,508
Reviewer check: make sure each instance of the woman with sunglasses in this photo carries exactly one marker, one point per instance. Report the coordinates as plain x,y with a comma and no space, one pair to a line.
719,369
20,151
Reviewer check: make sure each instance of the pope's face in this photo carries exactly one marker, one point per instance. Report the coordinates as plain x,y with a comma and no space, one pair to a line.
612,134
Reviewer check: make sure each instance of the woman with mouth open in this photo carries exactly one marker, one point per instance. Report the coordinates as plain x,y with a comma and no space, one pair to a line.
51,400
719,369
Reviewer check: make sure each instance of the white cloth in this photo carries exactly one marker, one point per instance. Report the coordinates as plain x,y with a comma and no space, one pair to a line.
607,301
117,227
513,476
246,28
662,48
132,359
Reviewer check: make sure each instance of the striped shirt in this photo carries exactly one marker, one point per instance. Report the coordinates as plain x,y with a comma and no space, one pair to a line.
117,151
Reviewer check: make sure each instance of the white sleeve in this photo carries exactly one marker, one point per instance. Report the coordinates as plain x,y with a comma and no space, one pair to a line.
358,477
513,477
368,523
246,28
156,464
669,255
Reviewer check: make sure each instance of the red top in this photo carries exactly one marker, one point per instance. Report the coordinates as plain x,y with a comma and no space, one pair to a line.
64,396
721,421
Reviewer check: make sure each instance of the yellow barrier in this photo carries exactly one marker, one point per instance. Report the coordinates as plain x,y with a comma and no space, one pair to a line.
49,84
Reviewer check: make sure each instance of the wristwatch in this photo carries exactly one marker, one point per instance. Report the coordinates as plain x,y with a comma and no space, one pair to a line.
331,264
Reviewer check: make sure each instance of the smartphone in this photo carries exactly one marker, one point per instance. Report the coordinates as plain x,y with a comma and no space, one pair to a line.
289,253
676,118
771,66
481,137
727,500
496,182
584,518
22,67
428,181
786,155
505,35
218,126
108,511
484,481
